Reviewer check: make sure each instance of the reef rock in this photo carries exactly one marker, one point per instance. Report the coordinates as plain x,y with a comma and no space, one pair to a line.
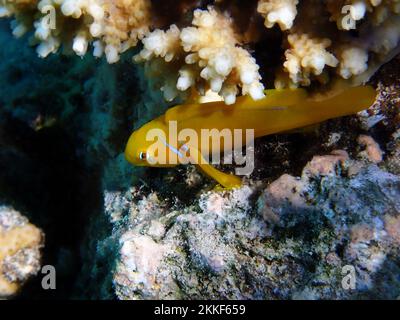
20,245
292,240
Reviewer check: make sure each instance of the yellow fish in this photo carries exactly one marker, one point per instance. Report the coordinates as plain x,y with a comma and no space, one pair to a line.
171,138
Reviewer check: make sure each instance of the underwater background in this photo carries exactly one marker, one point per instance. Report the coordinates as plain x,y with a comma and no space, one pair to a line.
318,199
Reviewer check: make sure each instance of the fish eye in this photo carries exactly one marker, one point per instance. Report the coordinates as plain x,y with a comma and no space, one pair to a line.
142,155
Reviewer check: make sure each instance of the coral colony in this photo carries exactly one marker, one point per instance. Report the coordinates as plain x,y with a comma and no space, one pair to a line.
210,51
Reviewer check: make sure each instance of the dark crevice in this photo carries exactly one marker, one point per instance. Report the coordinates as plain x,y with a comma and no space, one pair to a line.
41,176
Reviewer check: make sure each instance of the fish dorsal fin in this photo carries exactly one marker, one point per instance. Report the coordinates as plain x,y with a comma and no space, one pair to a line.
188,111
275,100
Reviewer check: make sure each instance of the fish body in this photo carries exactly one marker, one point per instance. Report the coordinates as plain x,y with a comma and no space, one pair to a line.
279,111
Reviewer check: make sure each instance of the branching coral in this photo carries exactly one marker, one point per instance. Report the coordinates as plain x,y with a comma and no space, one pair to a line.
347,13
282,12
112,25
353,61
307,56
199,49
315,50
206,54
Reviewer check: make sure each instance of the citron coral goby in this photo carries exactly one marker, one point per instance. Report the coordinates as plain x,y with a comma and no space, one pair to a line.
280,110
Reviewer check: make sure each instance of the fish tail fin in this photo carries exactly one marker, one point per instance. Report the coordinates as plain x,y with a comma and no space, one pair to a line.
227,180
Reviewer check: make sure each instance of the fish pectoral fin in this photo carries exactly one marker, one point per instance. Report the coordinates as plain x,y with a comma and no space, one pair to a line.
227,180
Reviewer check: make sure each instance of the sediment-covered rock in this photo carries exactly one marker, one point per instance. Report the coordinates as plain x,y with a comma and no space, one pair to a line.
288,241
